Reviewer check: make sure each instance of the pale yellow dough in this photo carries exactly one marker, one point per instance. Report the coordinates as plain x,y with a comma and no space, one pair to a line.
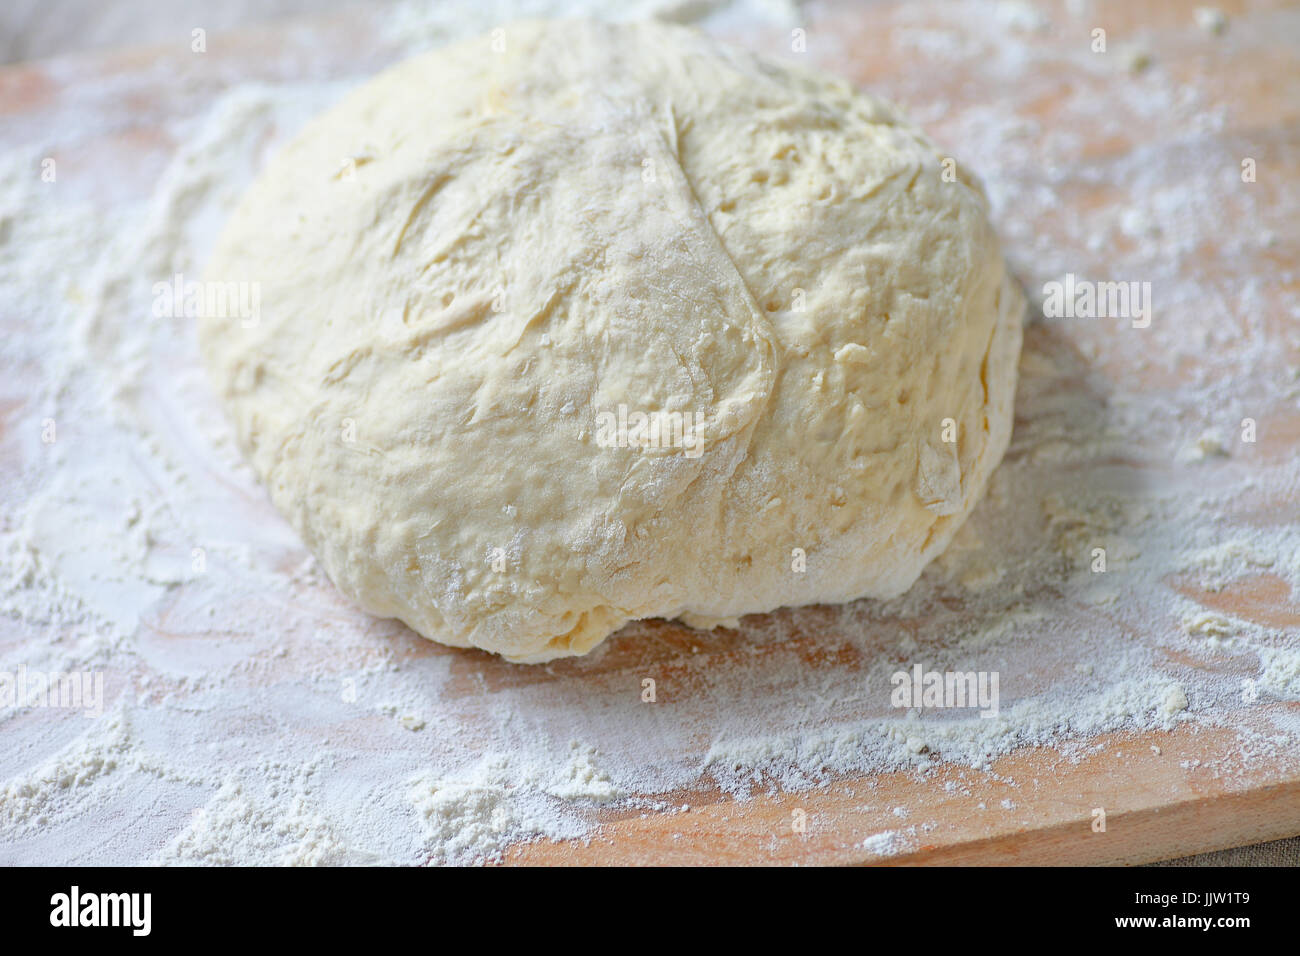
476,254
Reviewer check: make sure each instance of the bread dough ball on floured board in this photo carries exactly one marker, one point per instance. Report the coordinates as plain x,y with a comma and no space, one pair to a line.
578,323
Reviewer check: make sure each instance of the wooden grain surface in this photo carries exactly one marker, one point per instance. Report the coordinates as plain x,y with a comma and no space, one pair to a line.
1162,791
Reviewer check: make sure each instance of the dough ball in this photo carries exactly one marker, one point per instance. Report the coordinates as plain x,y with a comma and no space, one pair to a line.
580,323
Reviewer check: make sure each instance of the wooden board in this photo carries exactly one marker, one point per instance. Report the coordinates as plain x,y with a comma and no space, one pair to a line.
1162,791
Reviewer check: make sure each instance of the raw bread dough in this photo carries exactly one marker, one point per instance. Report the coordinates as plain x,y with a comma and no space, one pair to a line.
479,260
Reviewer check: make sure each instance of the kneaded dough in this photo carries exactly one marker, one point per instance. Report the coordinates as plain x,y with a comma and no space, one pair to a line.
480,259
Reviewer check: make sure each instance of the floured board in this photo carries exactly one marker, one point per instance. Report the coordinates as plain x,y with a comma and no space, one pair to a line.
777,743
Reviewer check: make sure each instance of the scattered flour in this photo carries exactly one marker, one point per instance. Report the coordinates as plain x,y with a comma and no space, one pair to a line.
885,843
274,829
254,717
1211,19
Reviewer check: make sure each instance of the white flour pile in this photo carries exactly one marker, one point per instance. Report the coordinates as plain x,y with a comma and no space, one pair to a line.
249,715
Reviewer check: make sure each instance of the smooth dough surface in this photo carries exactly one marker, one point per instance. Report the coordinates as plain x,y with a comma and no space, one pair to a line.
474,256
